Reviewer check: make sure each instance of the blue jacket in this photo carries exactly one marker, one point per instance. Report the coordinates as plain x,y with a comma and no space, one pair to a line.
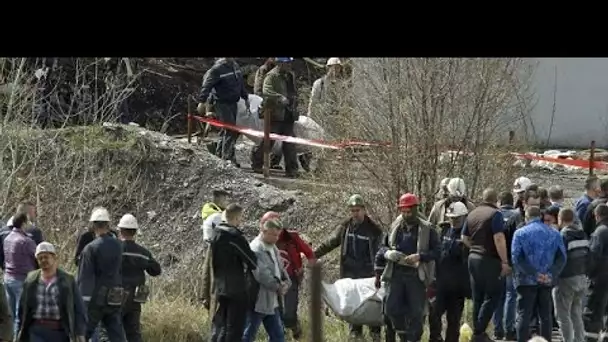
537,249
581,205
225,82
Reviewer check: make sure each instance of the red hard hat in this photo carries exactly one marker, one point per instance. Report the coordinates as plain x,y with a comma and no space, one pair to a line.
268,216
408,200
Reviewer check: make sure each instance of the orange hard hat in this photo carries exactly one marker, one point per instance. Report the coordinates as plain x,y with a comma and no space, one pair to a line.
269,216
408,200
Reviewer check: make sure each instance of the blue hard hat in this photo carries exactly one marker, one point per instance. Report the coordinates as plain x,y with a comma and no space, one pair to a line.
284,59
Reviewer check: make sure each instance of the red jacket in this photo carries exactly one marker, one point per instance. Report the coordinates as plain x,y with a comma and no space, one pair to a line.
290,245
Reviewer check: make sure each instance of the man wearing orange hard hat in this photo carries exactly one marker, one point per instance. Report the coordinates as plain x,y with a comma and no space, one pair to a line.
406,262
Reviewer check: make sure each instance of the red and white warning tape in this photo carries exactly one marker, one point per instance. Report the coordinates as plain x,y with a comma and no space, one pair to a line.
337,146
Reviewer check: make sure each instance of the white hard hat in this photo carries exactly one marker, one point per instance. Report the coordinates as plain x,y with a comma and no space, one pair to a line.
457,209
45,247
456,187
334,61
128,221
521,184
100,214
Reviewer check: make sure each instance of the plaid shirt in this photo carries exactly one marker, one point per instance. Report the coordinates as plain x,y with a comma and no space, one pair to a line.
47,297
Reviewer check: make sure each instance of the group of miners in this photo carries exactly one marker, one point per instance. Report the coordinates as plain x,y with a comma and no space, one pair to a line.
223,86
44,303
521,256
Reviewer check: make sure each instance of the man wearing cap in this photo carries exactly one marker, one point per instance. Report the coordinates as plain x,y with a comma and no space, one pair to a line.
100,278
359,237
51,306
452,275
280,95
136,262
291,246
519,187
19,257
406,263
324,101
224,83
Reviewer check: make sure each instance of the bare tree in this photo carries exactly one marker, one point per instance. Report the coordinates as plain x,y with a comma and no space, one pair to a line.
425,107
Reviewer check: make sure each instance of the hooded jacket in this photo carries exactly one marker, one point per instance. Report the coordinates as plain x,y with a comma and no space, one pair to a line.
577,252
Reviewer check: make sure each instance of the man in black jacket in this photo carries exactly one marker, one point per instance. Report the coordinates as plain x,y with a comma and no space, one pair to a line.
569,293
224,82
598,274
230,255
589,222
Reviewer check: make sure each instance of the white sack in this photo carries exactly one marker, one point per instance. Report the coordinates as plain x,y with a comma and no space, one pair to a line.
305,127
355,301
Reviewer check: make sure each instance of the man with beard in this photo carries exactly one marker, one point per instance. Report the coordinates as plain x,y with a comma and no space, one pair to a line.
406,263
359,237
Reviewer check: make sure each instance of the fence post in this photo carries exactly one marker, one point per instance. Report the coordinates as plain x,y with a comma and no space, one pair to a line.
316,317
266,142
591,157
189,123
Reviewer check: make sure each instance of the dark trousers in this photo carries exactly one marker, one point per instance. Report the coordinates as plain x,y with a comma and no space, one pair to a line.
450,303
131,321
110,319
596,306
405,302
39,333
229,319
529,297
289,150
487,287
289,309
226,112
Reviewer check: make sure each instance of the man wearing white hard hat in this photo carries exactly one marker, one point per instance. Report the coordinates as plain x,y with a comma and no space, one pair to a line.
452,275
520,186
85,238
325,90
100,280
457,191
51,305
136,262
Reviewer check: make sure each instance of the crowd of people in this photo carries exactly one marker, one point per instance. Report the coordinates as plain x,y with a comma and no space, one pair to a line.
44,303
223,86
522,256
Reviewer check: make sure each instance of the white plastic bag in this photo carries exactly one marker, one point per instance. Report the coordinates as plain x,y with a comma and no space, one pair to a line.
356,301
305,127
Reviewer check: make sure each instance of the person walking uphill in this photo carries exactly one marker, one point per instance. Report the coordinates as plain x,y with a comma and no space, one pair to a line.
100,278
539,255
569,293
280,96
51,306
136,262
231,259
291,246
359,237
272,284
224,81
452,276
19,258
406,263
483,233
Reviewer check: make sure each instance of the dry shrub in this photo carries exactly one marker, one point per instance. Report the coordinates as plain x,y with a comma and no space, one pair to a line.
425,108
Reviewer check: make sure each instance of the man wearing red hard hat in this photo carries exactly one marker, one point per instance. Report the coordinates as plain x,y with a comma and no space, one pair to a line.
406,262
291,246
